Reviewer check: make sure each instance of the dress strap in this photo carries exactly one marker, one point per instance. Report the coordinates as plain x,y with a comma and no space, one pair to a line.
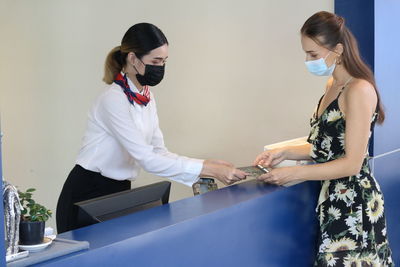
317,110
344,86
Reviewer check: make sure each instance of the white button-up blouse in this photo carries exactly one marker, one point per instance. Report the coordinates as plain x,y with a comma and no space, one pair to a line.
122,138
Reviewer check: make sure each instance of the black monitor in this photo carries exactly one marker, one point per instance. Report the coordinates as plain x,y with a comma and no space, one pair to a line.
111,206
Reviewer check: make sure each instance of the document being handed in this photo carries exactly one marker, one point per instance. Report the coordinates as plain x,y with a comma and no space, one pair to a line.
254,171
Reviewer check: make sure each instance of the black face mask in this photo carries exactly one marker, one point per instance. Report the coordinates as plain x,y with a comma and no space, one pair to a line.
152,75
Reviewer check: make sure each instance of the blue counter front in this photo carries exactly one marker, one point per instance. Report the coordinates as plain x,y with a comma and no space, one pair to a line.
249,224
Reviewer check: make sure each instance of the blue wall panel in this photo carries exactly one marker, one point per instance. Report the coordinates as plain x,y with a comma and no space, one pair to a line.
387,172
359,18
387,73
375,24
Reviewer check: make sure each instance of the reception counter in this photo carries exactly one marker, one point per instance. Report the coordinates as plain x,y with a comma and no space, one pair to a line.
248,224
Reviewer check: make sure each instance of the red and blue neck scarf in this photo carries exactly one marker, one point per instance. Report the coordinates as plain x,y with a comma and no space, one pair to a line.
132,96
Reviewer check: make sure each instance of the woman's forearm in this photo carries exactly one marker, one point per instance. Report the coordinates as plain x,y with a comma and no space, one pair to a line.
300,152
343,167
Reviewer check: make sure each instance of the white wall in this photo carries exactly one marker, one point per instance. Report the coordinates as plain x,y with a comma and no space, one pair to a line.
235,79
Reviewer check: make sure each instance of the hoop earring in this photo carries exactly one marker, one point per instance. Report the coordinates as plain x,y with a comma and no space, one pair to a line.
339,60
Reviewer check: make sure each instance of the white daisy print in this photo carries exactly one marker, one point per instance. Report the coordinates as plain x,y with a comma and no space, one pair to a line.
345,194
351,220
354,222
325,242
330,260
326,143
365,183
351,194
357,227
315,131
352,260
341,140
330,155
340,188
312,154
364,239
334,213
333,115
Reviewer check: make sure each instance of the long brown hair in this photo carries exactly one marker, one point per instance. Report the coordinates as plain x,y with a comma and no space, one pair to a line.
327,30
141,38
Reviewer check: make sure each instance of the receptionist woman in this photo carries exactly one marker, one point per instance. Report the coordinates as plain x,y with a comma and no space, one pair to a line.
123,133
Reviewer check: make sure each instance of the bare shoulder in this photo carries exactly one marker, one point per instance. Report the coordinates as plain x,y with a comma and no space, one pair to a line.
360,90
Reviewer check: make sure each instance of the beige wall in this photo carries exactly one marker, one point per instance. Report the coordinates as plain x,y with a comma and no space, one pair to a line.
235,79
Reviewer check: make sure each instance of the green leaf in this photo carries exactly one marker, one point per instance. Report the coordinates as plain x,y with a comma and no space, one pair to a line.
36,211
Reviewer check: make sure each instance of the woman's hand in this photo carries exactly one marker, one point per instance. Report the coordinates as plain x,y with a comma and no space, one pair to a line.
270,158
223,171
280,176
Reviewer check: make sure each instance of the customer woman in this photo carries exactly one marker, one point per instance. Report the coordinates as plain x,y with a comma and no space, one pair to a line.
123,133
350,206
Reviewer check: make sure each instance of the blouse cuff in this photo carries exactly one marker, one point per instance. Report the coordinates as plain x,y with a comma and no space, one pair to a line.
191,172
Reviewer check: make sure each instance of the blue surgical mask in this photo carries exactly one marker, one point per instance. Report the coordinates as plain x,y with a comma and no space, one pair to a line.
318,67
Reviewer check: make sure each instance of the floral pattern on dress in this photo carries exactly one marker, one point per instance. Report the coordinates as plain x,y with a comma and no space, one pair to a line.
350,209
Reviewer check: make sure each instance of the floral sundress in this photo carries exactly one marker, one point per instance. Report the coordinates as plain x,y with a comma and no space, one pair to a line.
350,209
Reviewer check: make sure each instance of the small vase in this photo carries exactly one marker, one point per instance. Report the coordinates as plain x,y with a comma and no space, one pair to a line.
31,233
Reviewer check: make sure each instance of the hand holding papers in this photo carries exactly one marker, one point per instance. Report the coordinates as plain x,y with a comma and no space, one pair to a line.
254,171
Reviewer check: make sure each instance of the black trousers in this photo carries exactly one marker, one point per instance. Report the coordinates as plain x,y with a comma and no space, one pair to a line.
81,185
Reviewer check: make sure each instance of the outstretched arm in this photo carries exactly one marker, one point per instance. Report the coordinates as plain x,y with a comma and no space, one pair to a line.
359,103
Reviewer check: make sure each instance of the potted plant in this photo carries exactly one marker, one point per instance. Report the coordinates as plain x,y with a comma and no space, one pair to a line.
33,219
